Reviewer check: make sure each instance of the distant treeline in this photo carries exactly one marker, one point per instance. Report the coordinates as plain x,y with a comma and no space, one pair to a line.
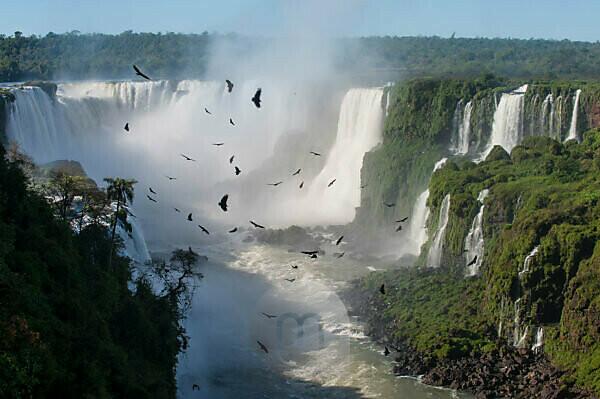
171,55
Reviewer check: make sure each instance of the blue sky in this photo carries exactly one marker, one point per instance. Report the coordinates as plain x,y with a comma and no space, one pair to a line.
553,19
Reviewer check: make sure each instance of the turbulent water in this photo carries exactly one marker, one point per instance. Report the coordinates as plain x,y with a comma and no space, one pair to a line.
329,358
434,257
573,128
474,241
507,127
461,142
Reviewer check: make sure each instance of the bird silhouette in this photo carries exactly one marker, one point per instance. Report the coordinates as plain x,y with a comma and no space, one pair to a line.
262,347
218,144
473,261
382,289
203,229
296,172
189,218
386,351
171,178
237,171
274,184
301,184
268,316
294,266
309,252
256,99
231,122
331,183
339,240
313,256
229,85
389,205
195,387
187,158
402,220
152,191
140,73
291,280
126,127
399,227
207,111
177,210
223,202
233,230
258,226
315,154
150,198
231,159
363,186
339,254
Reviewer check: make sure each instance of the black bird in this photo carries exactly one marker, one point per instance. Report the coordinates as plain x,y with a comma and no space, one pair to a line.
302,184
262,347
229,85
204,229
223,202
331,183
177,210
386,351
231,122
391,205
126,127
233,230
258,226
309,252
315,154
402,220
291,280
339,240
363,186
473,261
274,184
171,178
296,172
140,73
268,316
256,99
399,227
187,158
152,191
294,266
218,144
195,387
339,254
189,218
231,159
150,198
313,256
237,171
382,289
207,111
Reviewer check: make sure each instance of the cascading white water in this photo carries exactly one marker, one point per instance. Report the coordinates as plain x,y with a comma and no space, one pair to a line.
539,340
573,128
434,257
527,261
507,127
463,128
474,242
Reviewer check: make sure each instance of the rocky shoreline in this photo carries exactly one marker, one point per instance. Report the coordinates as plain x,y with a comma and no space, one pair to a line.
505,372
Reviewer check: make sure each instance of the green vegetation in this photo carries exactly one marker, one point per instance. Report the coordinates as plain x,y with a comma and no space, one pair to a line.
71,327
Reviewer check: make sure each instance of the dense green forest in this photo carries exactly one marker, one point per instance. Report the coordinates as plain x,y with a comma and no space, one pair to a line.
171,55
74,323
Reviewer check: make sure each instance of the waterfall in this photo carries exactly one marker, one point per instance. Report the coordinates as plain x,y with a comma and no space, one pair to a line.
507,126
434,257
463,128
573,128
539,340
474,241
418,224
527,261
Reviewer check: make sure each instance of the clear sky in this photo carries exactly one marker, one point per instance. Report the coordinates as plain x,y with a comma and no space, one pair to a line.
552,19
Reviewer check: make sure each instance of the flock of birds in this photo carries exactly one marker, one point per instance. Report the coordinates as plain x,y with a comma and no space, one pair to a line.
223,205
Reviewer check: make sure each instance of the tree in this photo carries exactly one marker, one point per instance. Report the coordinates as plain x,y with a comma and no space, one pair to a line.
120,193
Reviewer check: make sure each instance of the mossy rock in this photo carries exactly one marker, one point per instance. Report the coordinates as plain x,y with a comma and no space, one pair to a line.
498,153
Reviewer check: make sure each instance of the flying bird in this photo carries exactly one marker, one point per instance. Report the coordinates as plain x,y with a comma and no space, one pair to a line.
256,99
177,210
363,186
187,158
291,280
331,183
386,351
231,122
301,184
229,85
268,316
389,205
204,229
262,347
189,218
150,198
171,178
473,261
218,144
152,191
258,226
274,184
207,111
315,154
339,254
237,171
296,172
309,252
382,289
223,202
399,227
339,240
233,230
294,266
402,220
195,387
313,256
231,159
140,73
126,127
